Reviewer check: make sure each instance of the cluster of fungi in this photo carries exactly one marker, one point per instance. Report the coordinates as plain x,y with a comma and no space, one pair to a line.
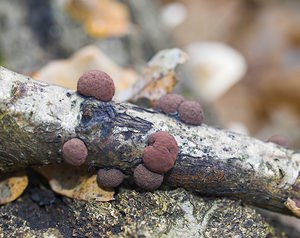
189,112
160,154
161,151
158,158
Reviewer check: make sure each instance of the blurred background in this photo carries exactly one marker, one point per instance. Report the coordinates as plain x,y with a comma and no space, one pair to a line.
244,55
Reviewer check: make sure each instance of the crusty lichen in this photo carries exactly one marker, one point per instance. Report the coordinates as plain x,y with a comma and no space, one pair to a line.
176,213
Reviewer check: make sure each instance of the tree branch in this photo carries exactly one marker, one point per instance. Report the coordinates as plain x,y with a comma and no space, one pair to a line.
36,119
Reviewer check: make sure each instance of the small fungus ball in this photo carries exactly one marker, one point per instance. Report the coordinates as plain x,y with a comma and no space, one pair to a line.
191,112
163,138
169,103
97,84
146,179
75,152
161,153
279,140
111,178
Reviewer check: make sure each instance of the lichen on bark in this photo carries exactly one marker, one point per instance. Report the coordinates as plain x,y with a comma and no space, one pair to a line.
37,119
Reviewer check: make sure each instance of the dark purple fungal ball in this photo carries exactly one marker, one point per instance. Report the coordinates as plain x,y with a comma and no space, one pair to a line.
111,178
191,112
75,152
161,153
279,140
147,179
97,84
169,103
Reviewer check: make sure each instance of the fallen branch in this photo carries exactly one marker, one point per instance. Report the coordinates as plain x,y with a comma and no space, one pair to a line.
37,118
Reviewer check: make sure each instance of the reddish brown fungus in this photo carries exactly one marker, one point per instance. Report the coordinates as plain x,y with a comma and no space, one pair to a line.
75,152
147,179
161,153
97,84
191,112
169,103
279,140
111,178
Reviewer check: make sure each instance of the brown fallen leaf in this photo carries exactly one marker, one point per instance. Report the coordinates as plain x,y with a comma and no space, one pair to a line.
75,182
12,185
159,77
101,18
66,72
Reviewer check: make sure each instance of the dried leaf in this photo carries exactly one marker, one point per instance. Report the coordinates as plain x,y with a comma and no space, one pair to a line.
101,18
292,206
12,185
75,182
66,72
158,78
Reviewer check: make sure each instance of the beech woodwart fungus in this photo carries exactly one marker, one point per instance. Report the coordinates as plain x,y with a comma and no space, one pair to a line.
279,140
111,178
97,84
75,152
191,112
169,103
147,179
161,153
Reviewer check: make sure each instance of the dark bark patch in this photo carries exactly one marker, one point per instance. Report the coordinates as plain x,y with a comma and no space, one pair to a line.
98,117
133,123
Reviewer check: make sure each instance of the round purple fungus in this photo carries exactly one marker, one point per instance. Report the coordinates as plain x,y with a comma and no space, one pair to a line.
169,103
97,84
161,153
279,140
147,179
75,152
191,112
111,178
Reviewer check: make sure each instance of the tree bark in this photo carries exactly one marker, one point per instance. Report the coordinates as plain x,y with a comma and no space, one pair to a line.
36,119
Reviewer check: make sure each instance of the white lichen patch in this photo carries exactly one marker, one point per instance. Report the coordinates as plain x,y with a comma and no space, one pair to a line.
39,103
